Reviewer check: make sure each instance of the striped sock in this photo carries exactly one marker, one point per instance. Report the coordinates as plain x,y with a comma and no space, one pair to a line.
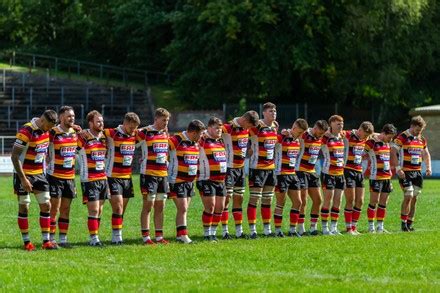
45,226
63,227
23,224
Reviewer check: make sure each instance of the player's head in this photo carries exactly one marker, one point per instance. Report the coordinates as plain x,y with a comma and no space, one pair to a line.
195,129
299,126
417,125
336,123
250,119
270,111
365,129
95,121
388,132
161,118
66,115
48,119
215,127
320,127
131,123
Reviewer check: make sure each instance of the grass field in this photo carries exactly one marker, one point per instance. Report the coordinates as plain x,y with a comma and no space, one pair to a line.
392,262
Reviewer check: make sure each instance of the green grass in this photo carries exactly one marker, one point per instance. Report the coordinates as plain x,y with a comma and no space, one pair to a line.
394,262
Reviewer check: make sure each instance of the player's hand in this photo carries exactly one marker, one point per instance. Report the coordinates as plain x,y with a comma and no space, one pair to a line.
428,172
285,132
27,185
76,127
250,152
401,174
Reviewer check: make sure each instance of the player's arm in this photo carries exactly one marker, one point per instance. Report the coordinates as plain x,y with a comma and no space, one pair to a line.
395,148
427,159
15,158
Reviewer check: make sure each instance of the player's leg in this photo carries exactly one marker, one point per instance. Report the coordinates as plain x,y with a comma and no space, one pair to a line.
55,203
183,193
375,188
256,192
280,195
43,199
349,192
315,194
219,205
358,200
328,188
237,204
159,208
294,194
408,194
381,211
208,200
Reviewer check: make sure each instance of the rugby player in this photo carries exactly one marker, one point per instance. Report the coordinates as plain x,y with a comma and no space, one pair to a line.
211,177
311,142
354,179
28,157
378,149
91,159
286,155
236,136
153,141
61,173
182,170
411,148
262,179
121,144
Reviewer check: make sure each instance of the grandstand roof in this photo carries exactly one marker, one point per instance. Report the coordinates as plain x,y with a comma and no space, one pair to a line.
433,110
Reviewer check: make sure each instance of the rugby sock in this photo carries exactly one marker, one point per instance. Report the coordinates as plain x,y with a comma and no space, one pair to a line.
238,219
53,228
181,231
93,225
381,212
145,235
215,220
23,224
252,217
324,219
266,215
45,226
348,215
63,227
207,222
313,222
225,221
355,216
294,217
335,216
158,233
278,218
409,222
371,214
117,221
301,228
404,218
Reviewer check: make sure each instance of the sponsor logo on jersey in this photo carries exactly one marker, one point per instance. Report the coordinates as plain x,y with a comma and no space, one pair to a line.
292,153
68,151
191,159
358,150
42,147
127,149
242,142
269,143
160,147
97,155
219,156
314,150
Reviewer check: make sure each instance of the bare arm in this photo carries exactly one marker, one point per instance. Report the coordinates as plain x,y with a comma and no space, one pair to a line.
15,158
427,159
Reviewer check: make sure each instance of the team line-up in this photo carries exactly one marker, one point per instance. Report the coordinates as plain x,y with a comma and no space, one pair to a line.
212,158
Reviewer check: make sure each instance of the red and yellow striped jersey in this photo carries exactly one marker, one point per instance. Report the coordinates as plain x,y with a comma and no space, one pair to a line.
379,154
310,147
263,141
410,150
236,140
154,146
212,161
286,154
62,151
91,156
354,150
333,152
120,153
34,143
184,158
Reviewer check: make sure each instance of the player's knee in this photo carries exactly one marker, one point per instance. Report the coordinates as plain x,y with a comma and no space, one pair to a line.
408,191
43,198
417,191
24,200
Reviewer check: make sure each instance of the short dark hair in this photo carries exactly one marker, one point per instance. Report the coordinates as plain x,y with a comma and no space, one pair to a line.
196,125
322,124
132,117
251,117
302,123
367,126
50,116
91,115
389,129
214,121
64,109
269,105
418,121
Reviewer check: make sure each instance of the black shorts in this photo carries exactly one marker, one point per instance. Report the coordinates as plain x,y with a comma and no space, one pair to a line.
384,186
412,178
235,177
119,186
39,183
181,190
261,178
308,180
211,188
353,179
332,182
95,190
287,182
61,188
154,184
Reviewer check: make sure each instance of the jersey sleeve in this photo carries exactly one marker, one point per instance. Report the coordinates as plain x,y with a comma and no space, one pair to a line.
253,131
369,145
23,137
172,142
398,141
227,128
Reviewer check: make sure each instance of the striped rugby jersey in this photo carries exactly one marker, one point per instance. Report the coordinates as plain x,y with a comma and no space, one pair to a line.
236,140
184,158
62,151
34,143
91,156
379,154
212,161
286,154
154,146
263,141
120,153
310,147
354,150
333,152
410,149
